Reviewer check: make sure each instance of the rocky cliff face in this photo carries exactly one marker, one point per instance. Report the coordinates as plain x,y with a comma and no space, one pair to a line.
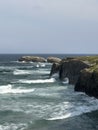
81,71
69,68
55,69
88,82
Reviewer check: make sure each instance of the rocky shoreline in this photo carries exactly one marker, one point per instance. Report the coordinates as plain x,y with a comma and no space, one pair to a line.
81,71
39,59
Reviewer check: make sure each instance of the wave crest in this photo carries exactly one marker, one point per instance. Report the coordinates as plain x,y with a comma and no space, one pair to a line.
9,89
52,80
21,72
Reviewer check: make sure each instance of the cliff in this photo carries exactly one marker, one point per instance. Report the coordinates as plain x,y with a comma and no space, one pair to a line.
70,68
81,71
88,81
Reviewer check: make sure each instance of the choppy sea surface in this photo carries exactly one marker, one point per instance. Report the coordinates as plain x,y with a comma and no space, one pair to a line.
30,100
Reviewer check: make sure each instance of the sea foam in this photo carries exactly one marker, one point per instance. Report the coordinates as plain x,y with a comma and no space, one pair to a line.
12,126
73,110
9,89
21,72
38,81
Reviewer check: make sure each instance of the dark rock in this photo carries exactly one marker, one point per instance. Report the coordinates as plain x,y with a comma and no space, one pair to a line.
81,71
32,58
88,82
53,60
71,69
55,69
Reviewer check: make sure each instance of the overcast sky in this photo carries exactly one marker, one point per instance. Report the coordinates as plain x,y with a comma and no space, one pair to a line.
48,26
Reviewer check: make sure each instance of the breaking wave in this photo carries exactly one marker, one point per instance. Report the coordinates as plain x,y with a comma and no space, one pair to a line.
25,72
52,80
12,126
69,110
21,72
9,89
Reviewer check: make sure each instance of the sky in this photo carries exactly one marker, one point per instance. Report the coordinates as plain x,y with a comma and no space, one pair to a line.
49,26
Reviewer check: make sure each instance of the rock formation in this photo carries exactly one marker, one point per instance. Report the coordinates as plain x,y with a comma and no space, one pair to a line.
81,71
53,60
88,81
32,58
55,69
71,69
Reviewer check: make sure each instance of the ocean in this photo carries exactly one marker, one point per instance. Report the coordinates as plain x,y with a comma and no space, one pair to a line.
30,100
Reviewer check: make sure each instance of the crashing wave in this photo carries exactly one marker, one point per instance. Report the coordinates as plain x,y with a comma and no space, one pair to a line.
65,81
38,81
21,72
9,89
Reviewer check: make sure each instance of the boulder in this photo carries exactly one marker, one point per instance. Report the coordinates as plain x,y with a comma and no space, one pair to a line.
32,58
88,81
53,60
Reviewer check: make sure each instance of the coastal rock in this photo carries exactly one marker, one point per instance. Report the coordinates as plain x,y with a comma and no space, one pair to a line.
55,69
32,58
81,71
88,81
53,60
71,69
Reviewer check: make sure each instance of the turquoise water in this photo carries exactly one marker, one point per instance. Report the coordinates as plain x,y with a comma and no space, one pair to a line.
29,100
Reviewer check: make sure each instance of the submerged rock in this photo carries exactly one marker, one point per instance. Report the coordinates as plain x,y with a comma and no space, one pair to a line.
53,60
32,58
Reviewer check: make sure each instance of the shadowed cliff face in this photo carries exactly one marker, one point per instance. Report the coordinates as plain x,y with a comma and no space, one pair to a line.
88,83
71,69
55,69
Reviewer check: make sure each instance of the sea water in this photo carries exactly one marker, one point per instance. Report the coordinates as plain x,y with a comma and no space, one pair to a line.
30,100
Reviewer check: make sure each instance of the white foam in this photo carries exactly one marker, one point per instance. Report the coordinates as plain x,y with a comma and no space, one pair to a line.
9,89
42,64
56,75
12,126
41,72
21,72
25,72
38,81
74,110
65,81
